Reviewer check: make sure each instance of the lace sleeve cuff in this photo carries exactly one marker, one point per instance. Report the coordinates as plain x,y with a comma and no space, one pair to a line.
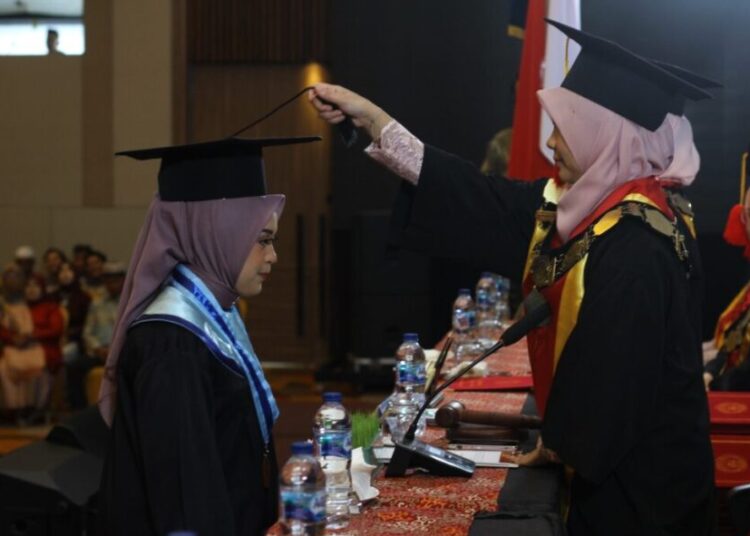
398,150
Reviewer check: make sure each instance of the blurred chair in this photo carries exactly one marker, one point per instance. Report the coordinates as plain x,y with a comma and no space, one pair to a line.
93,382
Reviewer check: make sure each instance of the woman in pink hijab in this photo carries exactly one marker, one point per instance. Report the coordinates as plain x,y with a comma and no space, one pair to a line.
184,393
617,369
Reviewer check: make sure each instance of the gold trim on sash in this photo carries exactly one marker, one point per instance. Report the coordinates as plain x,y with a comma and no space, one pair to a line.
570,306
639,198
682,205
545,220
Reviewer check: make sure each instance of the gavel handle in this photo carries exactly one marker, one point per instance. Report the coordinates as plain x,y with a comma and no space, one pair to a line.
496,418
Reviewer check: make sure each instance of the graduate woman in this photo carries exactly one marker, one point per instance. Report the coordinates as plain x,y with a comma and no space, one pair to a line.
617,370
190,410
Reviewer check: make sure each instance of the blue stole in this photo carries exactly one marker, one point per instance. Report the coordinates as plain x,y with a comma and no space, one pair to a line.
187,302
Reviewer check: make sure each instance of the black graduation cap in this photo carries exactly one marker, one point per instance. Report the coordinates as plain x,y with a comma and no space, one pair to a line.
226,168
624,82
678,104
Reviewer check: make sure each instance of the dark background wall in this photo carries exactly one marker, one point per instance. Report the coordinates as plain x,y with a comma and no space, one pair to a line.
447,70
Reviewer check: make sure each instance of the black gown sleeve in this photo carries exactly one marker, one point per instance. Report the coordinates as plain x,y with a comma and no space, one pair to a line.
456,212
169,403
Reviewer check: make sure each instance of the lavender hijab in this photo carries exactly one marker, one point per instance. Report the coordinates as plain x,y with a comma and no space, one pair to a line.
613,150
213,238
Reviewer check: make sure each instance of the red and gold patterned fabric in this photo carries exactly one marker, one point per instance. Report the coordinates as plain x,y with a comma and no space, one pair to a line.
731,459
730,412
730,437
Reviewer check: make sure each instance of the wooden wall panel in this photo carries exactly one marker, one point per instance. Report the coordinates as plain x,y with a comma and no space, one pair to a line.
97,117
222,99
256,31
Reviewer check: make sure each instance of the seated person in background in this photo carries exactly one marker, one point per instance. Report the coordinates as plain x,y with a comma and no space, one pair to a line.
730,369
21,358
76,304
92,283
49,325
97,334
498,153
80,252
53,259
25,259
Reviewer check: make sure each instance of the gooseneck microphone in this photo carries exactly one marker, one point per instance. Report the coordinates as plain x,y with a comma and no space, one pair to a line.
413,453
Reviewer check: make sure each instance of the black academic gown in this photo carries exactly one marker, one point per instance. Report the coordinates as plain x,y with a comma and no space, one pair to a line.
186,450
627,409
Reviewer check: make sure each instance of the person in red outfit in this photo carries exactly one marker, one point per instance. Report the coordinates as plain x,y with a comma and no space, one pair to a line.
729,369
49,328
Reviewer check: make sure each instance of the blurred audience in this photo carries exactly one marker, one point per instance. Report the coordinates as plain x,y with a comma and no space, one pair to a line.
53,259
23,360
80,252
93,283
75,302
49,324
97,333
62,318
25,258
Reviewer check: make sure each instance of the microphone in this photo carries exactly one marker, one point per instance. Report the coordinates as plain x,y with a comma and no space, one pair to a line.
411,452
430,387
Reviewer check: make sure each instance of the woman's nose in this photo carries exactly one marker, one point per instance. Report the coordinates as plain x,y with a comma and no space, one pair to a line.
271,256
551,142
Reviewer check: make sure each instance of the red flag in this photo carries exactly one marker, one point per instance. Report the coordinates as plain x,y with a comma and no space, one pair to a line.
526,160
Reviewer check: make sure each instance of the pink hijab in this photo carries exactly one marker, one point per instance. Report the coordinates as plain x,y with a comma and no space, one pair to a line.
213,238
613,150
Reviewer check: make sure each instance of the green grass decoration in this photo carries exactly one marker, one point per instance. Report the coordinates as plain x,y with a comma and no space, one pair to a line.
365,427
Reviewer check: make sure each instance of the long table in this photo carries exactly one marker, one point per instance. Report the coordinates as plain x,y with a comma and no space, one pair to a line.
444,506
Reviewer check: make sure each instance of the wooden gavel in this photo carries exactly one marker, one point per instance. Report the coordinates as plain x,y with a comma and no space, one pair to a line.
454,414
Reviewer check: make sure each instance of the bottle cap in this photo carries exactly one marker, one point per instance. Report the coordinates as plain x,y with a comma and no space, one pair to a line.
332,396
411,337
300,448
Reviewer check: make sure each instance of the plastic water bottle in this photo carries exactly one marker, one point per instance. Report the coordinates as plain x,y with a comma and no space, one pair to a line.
488,324
397,414
411,372
464,324
502,305
302,493
332,430
464,316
